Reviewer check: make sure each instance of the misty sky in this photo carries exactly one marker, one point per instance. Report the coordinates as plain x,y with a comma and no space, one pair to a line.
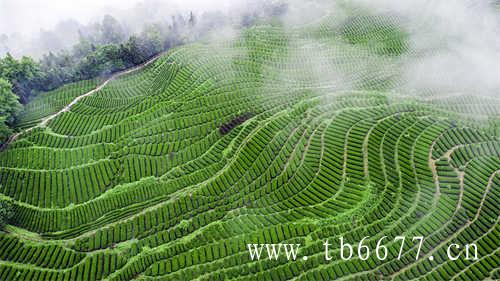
29,16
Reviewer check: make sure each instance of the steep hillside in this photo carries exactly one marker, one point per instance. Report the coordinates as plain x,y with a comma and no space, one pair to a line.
50,102
167,172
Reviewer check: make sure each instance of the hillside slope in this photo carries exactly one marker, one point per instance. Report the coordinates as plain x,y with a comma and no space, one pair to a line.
166,173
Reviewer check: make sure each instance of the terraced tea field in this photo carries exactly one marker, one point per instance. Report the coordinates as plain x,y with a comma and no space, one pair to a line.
50,102
167,172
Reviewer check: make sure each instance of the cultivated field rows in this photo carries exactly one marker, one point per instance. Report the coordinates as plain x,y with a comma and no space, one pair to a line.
137,181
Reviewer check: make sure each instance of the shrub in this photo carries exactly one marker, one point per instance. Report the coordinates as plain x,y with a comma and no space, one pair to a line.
6,212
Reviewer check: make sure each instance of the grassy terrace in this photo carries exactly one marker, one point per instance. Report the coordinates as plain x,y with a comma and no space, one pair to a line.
137,182
48,103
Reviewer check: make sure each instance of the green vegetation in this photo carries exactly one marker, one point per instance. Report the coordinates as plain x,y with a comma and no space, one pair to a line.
9,107
90,58
47,103
6,212
24,75
99,53
164,175
380,34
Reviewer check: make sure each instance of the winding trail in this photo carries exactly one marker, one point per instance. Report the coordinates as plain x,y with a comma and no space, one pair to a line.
47,119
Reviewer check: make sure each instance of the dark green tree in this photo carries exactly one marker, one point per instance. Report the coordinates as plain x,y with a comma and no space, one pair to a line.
131,51
101,62
9,102
6,212
5,131
25,75
9,107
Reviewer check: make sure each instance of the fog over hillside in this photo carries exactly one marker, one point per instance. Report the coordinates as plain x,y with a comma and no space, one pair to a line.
453,45
33,28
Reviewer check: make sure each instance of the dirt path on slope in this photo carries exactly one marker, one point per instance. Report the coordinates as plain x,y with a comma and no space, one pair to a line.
46,119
